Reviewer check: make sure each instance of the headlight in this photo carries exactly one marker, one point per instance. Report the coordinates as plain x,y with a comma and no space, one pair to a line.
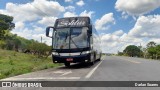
86,52
54,53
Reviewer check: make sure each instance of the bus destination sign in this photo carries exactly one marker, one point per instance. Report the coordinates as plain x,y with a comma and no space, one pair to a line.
72,22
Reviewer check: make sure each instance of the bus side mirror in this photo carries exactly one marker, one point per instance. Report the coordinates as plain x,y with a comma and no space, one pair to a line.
48,30
89,32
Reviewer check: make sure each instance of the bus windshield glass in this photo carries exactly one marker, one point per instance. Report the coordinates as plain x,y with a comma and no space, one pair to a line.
71,38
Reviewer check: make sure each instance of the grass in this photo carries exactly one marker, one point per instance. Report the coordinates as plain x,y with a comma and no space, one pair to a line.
14,63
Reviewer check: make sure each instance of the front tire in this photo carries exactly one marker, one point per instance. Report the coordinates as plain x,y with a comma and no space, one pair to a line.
67,64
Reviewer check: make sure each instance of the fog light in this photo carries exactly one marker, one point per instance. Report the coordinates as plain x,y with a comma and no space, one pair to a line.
86,60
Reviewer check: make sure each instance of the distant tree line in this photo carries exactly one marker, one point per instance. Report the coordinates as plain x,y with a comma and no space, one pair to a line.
11,41
151,51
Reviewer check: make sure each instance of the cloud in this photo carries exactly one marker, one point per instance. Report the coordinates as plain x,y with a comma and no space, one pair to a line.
33,10
68,0
70,8
146,27
73,14
118,33
85,13
26,33
69,14
157,40
28,16
49,21
19,25
137,7
110,42
80,3
35,33
104,21
38,30
117,41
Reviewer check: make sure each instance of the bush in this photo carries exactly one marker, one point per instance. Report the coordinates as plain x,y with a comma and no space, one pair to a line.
2,44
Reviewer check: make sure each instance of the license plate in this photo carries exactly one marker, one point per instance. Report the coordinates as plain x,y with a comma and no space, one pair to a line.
69,59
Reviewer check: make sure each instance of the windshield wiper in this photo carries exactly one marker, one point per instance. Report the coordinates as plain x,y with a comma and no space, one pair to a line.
71,39
74,43
63,43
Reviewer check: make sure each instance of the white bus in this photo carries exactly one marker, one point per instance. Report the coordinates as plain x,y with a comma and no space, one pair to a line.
74,40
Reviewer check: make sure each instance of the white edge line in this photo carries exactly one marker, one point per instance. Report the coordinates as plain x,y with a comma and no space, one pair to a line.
66,73
92,71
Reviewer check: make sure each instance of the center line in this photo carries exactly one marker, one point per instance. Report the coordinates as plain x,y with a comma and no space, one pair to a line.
92,71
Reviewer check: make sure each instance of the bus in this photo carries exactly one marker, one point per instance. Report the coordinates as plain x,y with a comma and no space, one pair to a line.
74,40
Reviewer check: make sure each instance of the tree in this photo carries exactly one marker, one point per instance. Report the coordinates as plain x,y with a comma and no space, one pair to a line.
132,51
158,51
39,49
151,49
5,24
151,44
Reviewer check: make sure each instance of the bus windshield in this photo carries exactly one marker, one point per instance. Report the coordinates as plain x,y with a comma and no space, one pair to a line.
71,38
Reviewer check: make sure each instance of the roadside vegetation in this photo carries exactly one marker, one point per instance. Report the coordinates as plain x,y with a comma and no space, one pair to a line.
14,63
9,41
19,55
151,51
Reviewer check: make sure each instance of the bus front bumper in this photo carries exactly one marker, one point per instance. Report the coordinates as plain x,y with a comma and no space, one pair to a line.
71,59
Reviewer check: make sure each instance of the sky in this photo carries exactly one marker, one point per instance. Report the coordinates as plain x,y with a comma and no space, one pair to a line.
119,22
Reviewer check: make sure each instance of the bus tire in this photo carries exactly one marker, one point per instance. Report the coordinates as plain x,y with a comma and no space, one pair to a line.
99,59
67,64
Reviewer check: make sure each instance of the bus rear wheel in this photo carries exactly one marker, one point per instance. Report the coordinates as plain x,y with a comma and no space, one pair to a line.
67,64
99,59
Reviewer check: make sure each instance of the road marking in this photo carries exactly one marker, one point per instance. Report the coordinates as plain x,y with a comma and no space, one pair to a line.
41,78
92,71
62,72
58,72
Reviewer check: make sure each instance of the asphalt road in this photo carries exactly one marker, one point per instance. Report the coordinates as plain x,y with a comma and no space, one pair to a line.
110,68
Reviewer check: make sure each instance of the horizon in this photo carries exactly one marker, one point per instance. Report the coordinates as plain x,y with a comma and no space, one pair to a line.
119,23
